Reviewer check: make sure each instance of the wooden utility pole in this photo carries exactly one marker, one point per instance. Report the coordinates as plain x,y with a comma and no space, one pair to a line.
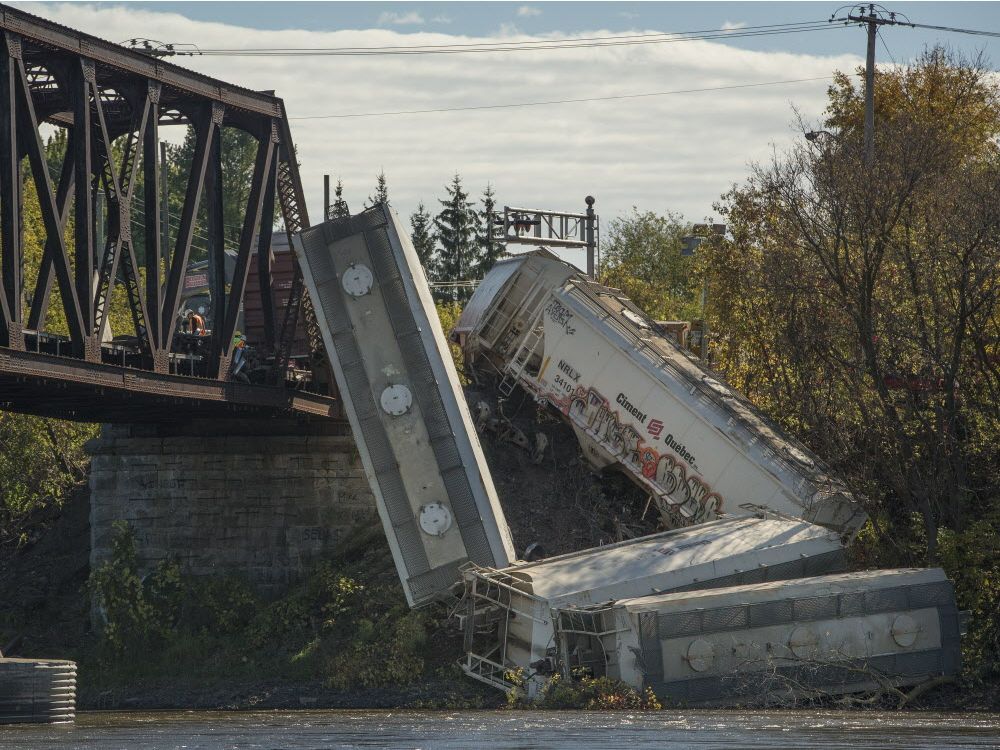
872,17
870,95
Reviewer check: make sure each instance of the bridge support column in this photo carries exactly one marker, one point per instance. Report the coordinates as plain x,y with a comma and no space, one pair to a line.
263,500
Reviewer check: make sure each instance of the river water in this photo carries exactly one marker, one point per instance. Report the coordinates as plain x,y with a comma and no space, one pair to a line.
523,730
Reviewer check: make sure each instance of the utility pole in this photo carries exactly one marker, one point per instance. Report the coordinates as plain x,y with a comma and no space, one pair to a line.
870,95
872,17
326,197
591,237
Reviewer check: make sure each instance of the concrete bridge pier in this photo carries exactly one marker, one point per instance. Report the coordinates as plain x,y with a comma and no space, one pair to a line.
263,500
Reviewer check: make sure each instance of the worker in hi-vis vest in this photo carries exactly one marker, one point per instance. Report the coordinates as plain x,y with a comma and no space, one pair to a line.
196,323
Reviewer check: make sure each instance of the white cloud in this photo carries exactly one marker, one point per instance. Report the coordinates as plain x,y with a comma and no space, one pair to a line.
657,153
441,19
527,11
400,19
733,25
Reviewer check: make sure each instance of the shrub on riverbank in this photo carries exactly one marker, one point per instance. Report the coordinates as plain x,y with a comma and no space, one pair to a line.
345,626
583,692
41,460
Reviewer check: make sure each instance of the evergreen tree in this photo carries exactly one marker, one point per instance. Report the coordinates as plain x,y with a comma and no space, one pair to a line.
455,227
381,191
423,239
55,150
239,152
339,209
490,250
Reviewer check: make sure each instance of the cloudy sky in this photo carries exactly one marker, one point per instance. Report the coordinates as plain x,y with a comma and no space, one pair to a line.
675,152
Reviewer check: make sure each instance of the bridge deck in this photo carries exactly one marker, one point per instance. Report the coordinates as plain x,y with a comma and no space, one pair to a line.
69,388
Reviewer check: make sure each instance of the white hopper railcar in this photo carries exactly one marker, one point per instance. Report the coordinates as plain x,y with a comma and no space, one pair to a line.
639,402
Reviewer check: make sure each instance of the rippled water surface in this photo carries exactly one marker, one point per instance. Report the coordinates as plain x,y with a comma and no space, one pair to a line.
311,730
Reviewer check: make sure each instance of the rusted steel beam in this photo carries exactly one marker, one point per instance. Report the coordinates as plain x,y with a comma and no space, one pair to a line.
119,185
99,92
53,214
81,74
216,247
151,214
251,221
137,64
296,216
207,120
10,191
47,269
95,381
265,257
128,265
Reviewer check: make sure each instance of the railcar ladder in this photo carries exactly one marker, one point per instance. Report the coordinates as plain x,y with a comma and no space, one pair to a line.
515,369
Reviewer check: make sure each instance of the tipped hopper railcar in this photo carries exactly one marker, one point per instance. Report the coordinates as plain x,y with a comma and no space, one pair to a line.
639,402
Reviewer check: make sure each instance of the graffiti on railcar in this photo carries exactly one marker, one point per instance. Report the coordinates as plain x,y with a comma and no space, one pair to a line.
670,475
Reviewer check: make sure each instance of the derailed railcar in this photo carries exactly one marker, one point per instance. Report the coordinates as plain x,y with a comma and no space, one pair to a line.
401,393
508,614
770,642
639,402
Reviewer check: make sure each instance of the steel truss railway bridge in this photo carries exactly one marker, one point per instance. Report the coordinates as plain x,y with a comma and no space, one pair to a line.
101,213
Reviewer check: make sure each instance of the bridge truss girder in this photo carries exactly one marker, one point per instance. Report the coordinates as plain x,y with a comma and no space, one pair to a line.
112,101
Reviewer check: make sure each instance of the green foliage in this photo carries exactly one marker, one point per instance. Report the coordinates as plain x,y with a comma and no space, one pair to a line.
217,606
642,256
971,558
136,613
41,460
381,194
423,240
239,153
456,245
582,692
339,209
345,625
385,650
313,609
489,250
448,315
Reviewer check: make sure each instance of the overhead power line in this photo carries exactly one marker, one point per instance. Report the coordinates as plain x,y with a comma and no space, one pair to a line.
520,46
167,50
565,101
899,19
953,29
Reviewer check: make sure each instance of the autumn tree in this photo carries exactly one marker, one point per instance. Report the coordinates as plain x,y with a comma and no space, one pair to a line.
859,305
41,460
